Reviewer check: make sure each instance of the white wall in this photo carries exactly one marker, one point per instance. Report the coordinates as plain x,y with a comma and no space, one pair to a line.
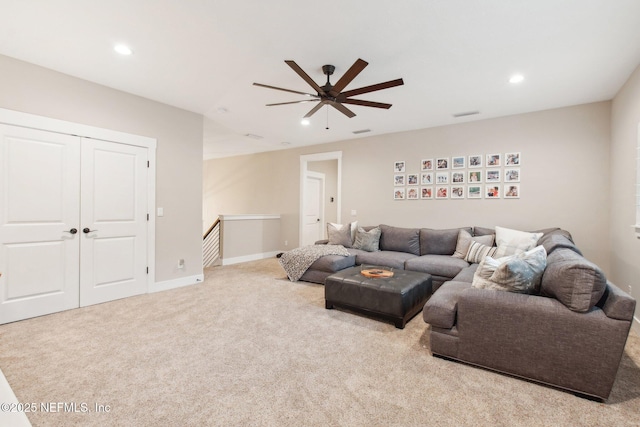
565,177
625,246
28,88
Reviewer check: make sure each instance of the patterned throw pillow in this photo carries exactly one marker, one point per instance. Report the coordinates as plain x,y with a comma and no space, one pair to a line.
367,240
465,239
520,273
512,242
477,252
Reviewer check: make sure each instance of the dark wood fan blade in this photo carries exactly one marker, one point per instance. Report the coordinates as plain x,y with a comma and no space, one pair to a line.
365,103
305,76
293,102
314,109
351,74
372,88
344,110
286,90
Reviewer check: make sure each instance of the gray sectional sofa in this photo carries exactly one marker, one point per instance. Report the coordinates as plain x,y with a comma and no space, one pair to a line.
569,332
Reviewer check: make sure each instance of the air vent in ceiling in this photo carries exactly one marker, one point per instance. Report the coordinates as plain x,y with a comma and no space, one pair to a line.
361,131
466,113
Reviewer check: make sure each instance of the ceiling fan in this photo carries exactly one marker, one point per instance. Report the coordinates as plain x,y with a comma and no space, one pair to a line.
332,94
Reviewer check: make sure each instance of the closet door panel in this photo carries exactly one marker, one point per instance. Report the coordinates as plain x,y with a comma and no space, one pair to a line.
39,208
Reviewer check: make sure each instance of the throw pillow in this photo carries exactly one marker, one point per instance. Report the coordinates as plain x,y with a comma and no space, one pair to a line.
465,239
340,234
367,240
512,242
519,273
477,252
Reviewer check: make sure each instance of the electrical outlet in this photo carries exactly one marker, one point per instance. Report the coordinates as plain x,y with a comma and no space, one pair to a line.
181,263
630,290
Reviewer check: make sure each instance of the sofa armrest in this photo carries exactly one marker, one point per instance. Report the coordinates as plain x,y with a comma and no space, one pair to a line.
617,304
441,309
322,242
539,338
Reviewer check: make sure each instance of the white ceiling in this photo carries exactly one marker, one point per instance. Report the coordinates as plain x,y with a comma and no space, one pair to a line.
454,56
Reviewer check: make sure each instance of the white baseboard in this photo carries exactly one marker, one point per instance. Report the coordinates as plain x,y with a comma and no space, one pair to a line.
12,417
635,325
246,258
176,283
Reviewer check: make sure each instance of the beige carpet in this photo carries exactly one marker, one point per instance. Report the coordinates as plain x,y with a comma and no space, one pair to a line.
249,348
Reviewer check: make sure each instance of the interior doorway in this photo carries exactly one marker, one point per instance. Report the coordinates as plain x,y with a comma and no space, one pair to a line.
330,165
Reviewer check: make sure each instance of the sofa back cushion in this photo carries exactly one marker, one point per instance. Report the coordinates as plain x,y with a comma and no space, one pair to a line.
558,239
573,280
400,239
439,242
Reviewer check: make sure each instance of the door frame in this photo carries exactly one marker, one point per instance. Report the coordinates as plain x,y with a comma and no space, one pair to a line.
304,160
18,118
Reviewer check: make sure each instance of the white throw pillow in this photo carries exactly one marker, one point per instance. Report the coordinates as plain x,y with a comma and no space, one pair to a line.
512,242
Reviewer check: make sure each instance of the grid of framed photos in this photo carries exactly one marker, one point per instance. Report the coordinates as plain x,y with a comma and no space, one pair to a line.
478,176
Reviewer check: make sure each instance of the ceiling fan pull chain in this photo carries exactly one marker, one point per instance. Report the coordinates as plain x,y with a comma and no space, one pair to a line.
327,118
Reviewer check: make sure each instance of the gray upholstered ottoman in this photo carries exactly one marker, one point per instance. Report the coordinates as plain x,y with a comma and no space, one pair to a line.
396,298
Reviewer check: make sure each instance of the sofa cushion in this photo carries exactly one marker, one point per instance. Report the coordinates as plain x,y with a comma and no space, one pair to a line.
384,258
367,240
477,252
333,263
511,242
465,239
441,309
439,242
466,274
557,240
400,239
437,265
483,231
573,280
342,234
516,273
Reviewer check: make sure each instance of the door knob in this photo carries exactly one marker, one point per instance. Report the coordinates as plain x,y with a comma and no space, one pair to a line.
87,230
72,231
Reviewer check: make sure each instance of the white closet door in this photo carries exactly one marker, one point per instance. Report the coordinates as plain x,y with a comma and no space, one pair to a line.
114,221
39,212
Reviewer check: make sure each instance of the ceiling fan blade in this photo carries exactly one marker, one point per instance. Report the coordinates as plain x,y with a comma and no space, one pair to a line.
304,76
372,88
344,110
286,90
314,109
351,74
365,103
293,102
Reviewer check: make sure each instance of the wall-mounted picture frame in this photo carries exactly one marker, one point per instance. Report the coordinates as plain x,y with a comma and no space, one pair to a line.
492,175
442,163
512,191
442,178
475,177
426,165
426,178
442,192
493,160
412,179
426,193
398,193
512,175
412,193
474,192
398,179
458,162
475,161
399,166
457,192
458,177
512,159
492,192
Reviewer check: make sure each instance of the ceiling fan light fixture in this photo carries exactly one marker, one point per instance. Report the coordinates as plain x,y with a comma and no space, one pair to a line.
305,122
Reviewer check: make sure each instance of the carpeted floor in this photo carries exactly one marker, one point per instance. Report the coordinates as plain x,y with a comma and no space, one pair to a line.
249,348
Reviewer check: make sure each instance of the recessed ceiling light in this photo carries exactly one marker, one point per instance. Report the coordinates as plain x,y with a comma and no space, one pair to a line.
516,78
123,49
305,122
